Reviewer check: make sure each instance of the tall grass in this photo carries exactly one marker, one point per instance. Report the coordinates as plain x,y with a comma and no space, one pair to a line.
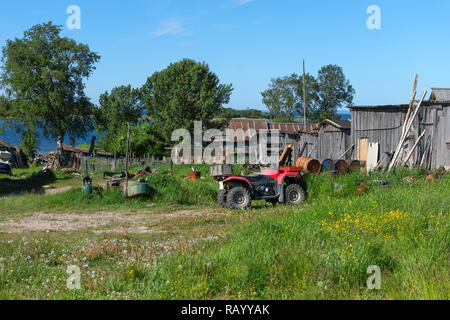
324,250
318,251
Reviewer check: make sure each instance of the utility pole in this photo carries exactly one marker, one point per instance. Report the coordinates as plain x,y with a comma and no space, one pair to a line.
126,160
304,96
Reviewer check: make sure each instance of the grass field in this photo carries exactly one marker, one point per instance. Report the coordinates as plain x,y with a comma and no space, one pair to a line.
181,245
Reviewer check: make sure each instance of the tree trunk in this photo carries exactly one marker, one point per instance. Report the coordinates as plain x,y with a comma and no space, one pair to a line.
59,157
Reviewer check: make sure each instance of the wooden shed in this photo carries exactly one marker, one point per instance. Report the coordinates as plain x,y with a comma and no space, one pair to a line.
383,124
329,139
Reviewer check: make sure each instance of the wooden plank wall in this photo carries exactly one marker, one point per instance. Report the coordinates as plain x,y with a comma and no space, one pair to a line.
330,142
384,125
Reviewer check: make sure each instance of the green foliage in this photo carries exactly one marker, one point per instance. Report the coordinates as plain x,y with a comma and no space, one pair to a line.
322,251
230,113
120,106
318,251
334,91
324,95
30,140
182,93
143,140
284,98
42,77
116,109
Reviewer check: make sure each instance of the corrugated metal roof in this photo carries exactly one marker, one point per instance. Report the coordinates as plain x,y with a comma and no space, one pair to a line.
344,124
388,106
83,150
264,124
440,94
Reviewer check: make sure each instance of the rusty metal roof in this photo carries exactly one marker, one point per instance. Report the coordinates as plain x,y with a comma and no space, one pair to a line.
245,124
84,151
293,127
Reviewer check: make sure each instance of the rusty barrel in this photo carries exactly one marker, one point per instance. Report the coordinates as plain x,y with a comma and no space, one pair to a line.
326,165
354,165
308,165
193,176
341,166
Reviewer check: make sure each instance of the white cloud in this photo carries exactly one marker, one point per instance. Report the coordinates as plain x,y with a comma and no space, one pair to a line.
169,26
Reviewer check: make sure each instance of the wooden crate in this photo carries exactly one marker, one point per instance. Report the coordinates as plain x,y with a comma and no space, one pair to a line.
223,170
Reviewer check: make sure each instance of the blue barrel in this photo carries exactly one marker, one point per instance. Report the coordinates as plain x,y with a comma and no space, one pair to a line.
327,165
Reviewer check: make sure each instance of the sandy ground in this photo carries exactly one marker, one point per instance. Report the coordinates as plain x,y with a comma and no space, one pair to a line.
101,222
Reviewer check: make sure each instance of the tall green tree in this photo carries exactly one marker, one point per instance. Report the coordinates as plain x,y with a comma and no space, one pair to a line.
43,77
182,93
324,95
335,91
116,109
144,140
284,97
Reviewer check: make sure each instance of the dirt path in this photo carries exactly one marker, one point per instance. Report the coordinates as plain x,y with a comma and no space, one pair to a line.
100,222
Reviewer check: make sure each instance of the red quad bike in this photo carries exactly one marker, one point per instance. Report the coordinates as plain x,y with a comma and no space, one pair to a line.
282,185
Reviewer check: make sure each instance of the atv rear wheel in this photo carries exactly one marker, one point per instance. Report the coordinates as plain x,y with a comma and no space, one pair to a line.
238,198
294,194
222,198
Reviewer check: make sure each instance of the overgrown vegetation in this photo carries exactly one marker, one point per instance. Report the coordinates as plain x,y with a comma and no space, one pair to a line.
319,251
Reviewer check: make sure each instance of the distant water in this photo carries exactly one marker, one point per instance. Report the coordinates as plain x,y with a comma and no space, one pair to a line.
45,145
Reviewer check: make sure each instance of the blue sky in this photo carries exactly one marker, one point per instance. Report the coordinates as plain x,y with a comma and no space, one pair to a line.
248,42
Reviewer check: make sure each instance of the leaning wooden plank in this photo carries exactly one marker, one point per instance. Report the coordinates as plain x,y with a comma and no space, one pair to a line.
411,102
372,156
413,148
363,147
346,152
402,139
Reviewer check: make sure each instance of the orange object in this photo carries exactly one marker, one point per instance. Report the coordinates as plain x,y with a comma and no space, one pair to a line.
341,166
193,176
308,165
362,188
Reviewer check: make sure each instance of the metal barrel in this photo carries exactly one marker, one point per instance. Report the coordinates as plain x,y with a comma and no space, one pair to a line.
354,165
341,166
308,165
193,176
327,165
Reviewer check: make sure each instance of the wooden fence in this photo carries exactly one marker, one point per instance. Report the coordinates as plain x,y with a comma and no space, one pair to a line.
93,165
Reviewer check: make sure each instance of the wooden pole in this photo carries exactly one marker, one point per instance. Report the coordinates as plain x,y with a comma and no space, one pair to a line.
413,148
411,102
126,160
304,96
353,145
405,133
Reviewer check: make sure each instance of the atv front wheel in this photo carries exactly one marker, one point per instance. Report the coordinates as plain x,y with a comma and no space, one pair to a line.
222,198
294,194
238,198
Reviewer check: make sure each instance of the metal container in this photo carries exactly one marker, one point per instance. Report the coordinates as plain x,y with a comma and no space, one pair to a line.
86,186
193,176
354,165
136,188
309,165
341,166
326,165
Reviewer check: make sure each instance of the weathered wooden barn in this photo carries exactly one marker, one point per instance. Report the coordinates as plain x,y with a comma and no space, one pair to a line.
383,125
329,139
